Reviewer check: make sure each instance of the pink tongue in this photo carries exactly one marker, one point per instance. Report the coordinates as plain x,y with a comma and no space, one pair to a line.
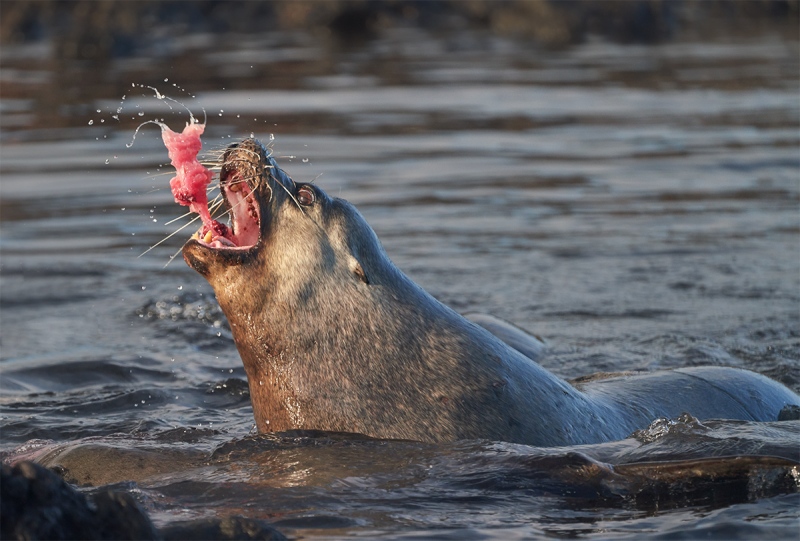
189,185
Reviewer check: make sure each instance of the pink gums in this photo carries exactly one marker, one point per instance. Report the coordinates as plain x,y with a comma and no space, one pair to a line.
190,184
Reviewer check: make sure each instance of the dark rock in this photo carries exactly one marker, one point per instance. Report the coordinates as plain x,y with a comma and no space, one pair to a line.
35,503
790,412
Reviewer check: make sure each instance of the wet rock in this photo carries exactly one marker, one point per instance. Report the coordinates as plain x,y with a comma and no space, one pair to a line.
790,412
35,503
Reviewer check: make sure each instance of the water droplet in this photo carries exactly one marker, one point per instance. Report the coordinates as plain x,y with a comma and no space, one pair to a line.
141,113
107,160
91,122
166,80
179,289
99,111
123,208
144,287
305,160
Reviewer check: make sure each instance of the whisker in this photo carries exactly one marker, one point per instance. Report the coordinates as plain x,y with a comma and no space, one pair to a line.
172,221
161,174
172,258
165,239
214,208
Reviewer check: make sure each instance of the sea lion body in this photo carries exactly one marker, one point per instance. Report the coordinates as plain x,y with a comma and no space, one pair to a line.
333,336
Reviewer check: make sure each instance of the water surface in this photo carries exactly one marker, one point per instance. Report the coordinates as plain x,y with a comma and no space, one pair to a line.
636,206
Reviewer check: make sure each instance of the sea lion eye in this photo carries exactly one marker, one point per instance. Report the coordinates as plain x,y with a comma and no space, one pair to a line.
306,195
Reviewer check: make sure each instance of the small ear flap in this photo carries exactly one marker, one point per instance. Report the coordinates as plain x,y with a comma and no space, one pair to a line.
356,268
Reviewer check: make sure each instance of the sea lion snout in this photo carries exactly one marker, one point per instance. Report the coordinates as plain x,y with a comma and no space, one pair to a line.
252,188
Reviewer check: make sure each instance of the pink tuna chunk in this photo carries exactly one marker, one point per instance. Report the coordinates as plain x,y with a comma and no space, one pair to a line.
190,184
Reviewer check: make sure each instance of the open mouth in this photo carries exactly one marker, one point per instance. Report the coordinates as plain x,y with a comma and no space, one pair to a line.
242,207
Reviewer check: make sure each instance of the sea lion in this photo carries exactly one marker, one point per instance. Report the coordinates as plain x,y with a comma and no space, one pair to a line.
334,336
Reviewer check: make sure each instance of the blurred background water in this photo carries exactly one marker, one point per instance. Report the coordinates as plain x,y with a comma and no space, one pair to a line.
621,178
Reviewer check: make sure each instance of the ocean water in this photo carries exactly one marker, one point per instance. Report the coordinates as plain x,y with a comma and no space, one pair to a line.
635,206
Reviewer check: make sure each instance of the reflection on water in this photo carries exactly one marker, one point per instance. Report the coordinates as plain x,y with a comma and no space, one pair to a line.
635,205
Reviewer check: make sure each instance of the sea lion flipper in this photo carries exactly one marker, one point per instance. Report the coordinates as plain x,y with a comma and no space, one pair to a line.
524,342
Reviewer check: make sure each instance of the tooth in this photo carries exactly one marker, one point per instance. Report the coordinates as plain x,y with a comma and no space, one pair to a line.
234,187
207,238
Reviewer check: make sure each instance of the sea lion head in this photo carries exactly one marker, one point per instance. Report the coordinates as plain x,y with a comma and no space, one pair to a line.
282,234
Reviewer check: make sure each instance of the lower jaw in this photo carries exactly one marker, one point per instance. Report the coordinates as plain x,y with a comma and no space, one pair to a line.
208,239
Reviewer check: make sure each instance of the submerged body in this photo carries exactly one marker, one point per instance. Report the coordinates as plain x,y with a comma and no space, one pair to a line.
334,337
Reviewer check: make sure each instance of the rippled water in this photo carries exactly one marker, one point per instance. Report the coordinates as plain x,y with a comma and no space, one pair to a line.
635,206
